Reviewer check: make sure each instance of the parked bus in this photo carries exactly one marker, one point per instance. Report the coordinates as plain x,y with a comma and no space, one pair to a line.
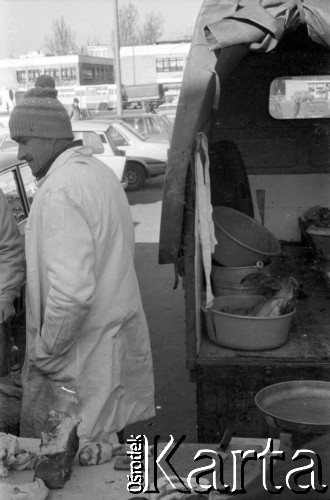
92,97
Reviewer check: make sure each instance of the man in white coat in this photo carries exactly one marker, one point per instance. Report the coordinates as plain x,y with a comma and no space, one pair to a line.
88,347
11,261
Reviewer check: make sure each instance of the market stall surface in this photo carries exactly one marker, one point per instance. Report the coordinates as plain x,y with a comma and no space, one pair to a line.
103,482
99,482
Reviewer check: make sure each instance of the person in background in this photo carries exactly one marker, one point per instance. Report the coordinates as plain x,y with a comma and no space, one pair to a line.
12,271
296,106
74,111
149,107
88,348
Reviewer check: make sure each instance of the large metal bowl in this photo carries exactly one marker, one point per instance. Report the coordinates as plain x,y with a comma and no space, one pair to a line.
246,333
298,406
242,241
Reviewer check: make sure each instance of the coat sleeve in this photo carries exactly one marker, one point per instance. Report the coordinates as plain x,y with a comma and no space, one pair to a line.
69,257
12,268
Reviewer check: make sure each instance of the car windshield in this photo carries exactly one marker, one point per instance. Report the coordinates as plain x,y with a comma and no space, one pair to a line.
133,131
167,123
170,118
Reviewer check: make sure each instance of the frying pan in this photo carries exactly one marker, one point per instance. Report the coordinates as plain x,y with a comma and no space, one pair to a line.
298,406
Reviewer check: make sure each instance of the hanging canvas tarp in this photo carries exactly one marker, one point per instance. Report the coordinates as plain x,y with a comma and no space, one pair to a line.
262,24
225,31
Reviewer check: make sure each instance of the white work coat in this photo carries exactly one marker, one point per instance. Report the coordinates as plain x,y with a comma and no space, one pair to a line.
88,348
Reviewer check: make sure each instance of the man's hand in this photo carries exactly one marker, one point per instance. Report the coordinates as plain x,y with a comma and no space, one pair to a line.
7,312
48,363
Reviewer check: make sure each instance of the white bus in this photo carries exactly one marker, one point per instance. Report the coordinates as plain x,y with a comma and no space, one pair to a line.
93,97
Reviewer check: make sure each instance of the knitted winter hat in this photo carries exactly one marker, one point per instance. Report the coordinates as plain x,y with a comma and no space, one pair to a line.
40,113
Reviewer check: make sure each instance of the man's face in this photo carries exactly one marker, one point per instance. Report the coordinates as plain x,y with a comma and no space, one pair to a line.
35,151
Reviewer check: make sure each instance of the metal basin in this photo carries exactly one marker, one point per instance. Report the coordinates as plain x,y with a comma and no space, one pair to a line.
246,333
242,241
298,406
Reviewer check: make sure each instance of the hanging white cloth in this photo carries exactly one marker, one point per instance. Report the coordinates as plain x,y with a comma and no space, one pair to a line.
204,212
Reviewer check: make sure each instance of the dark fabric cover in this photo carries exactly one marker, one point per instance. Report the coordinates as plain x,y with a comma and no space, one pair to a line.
262,24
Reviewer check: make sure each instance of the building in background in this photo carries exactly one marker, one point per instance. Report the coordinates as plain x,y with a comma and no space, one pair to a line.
98,50
66,70
145,65
160,65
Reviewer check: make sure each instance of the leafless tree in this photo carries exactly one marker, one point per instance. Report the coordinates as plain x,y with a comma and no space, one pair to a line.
152,29
62,39
130,33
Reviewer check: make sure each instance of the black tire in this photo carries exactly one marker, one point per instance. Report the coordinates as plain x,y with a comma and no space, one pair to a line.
136,176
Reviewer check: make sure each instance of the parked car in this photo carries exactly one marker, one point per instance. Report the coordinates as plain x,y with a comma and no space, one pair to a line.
155,128
4,119
168,109
18,184
96,134
144,159
111,156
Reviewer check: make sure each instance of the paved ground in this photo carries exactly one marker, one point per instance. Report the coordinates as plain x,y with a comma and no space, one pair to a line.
164,307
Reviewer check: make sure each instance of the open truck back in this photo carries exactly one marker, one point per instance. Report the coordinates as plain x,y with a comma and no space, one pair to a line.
268,157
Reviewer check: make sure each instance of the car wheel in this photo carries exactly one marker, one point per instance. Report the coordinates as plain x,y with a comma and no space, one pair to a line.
136,176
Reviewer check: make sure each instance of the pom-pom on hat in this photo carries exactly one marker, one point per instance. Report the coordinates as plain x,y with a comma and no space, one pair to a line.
40,113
